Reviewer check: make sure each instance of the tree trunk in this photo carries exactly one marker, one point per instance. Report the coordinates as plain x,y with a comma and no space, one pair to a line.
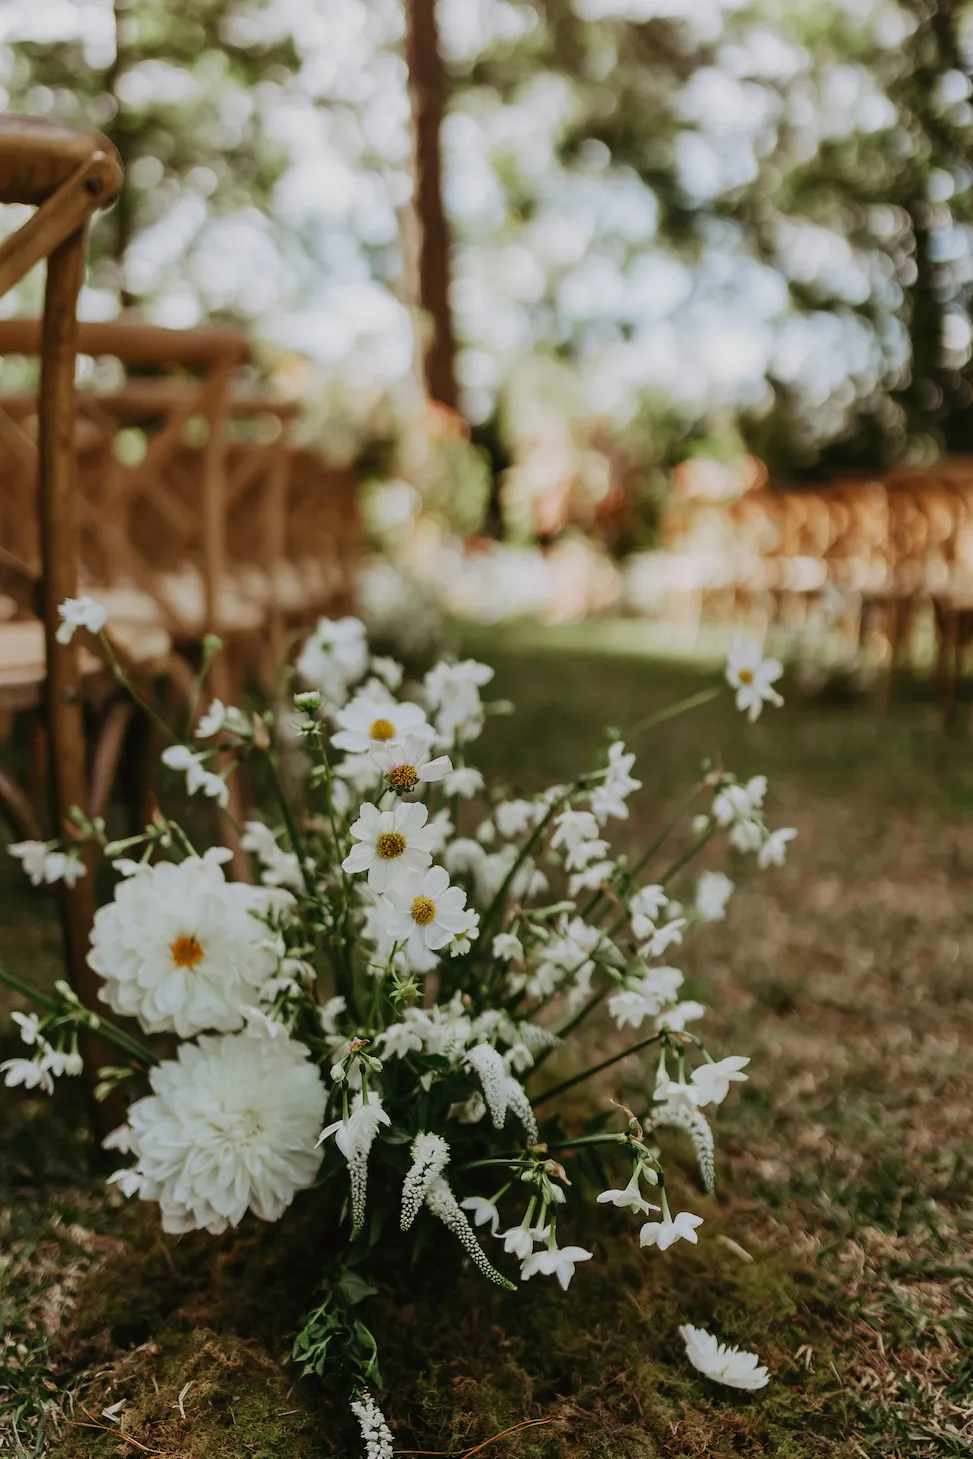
427,87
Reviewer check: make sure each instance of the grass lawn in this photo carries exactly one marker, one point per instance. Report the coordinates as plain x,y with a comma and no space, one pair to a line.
838,1247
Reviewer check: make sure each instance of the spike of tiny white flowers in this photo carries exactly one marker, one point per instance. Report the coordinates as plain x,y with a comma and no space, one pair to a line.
375,1432
516,1099
443,1205
492,1073
354,1137
679,1116
430,1156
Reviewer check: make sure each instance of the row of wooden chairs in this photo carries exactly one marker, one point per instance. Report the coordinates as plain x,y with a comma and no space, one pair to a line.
883,547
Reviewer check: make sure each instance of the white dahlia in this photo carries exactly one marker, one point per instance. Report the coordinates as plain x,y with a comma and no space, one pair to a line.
231,1125
181,949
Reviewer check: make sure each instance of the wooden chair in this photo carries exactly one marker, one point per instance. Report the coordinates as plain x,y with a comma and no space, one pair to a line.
67,175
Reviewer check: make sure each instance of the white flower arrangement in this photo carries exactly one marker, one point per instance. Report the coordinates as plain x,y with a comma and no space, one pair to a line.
383,1001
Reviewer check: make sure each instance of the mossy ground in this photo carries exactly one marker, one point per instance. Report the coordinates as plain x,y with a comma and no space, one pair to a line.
839,1246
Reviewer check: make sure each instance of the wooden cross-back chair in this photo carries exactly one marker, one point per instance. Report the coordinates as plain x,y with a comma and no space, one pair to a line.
67,175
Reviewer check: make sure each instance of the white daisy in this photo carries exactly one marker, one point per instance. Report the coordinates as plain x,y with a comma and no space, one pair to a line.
229,1126
426,914
408,763
369,721
723,1364
390,845
752,676
180,949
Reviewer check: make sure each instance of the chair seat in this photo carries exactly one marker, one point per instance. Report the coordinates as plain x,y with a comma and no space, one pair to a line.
23,658
184,599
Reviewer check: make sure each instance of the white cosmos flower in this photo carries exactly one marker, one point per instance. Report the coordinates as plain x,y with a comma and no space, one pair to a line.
723,1364
555,1261
425,914
609,796
180,949
181,757
713,890
229,1126
334,657
390,845
671,1228
76,613
712,1081
369,721
752,676
774,849
464,781
409,763
484,1212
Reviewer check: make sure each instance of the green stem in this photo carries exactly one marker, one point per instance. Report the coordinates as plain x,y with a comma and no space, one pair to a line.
595,1069
682,706
630,877
673,870
105,1030
120,677
296,840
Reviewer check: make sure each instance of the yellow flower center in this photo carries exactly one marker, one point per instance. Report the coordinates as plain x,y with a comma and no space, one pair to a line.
403,777
186,953
390,845
423,911
382,729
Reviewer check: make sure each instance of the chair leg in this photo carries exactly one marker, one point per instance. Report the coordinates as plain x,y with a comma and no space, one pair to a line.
59,537
19,810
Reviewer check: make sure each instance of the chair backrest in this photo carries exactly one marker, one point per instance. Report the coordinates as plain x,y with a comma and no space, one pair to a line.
67,174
